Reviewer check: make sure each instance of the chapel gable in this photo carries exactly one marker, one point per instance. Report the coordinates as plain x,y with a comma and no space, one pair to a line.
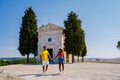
50,27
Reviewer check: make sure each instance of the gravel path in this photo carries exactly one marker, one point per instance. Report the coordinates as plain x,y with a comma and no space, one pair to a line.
76,71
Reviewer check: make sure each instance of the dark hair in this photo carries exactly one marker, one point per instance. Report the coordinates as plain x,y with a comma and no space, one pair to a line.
61,50
44,46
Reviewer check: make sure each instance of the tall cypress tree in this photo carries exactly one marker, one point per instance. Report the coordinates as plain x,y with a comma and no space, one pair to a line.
84,52
73,35
28,36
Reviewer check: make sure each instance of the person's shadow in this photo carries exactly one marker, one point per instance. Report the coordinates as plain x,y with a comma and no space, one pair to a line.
39,75
55,74
36,75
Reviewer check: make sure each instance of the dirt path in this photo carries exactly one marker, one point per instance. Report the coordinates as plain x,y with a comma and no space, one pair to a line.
76,71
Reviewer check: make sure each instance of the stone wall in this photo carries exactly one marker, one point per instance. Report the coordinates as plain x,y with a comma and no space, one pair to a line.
53,32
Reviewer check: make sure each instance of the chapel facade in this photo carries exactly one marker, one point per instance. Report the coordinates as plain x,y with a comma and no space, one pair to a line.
51,36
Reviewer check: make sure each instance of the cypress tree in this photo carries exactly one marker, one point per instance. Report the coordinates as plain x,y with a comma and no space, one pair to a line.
72,33
28,36
84,52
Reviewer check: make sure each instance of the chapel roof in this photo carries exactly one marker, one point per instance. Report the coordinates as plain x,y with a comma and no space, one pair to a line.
51,27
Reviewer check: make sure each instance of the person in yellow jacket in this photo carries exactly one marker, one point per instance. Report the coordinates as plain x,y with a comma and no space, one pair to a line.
44,54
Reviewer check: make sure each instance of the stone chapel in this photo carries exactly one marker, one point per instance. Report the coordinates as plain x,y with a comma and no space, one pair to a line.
50,35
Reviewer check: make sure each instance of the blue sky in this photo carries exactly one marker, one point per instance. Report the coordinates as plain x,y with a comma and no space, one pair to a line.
100,21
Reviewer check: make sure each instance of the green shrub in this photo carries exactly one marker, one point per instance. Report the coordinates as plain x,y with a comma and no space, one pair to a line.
22,61
5,62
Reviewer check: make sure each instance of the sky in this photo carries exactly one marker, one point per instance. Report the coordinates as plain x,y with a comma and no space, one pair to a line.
100,21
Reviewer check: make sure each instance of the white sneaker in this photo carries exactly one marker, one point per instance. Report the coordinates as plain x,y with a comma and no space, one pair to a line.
43,73
60,72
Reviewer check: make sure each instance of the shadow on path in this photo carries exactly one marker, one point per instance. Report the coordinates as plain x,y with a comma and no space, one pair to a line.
39,75
36,75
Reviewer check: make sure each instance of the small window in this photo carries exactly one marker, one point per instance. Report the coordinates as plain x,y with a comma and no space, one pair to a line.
49,39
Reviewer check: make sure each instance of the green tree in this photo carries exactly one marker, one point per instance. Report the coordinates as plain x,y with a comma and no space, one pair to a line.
28,36
81,44
118,45
83,47
73,34
84,52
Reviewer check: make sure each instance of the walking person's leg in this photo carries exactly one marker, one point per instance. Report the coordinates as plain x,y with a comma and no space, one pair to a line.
43,68
62,66
59,66
46,67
